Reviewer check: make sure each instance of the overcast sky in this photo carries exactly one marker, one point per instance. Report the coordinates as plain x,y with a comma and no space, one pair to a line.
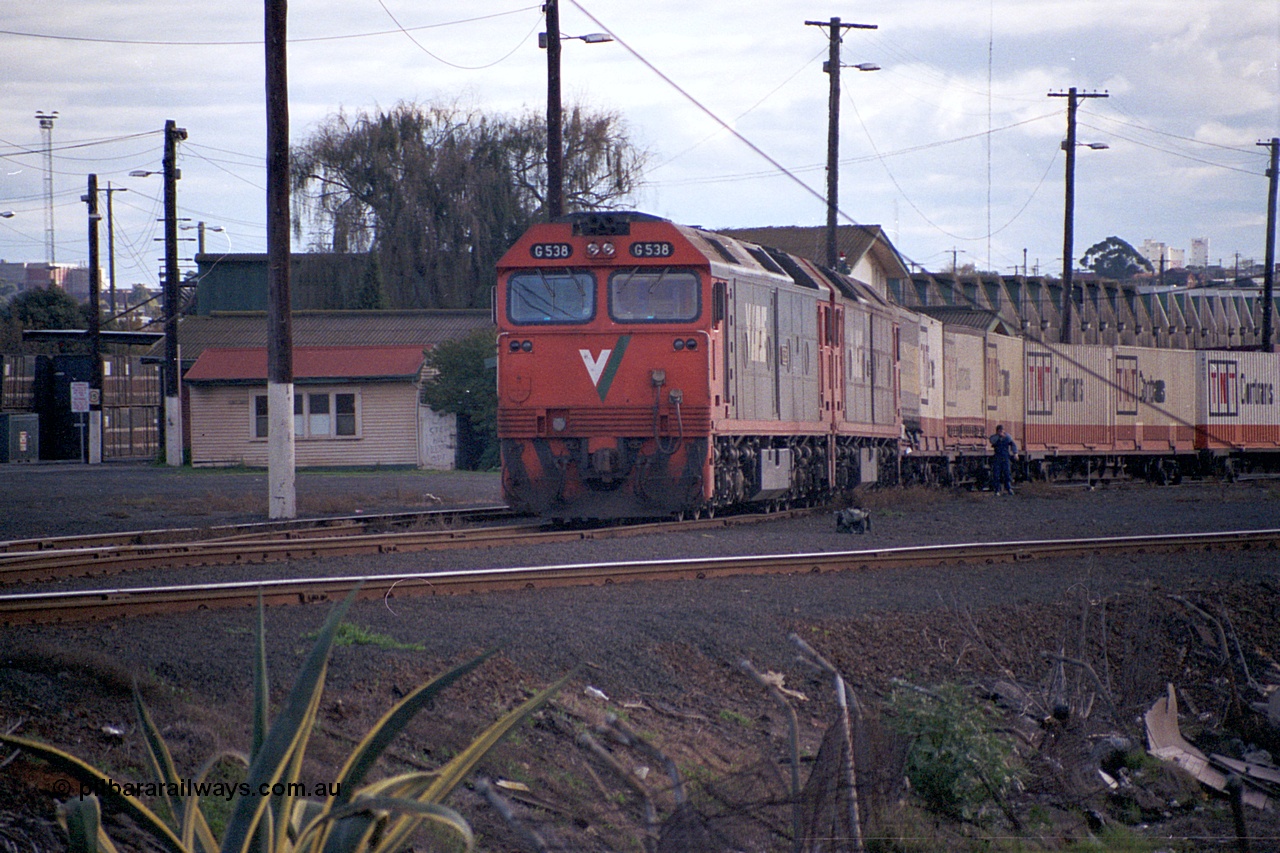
954,146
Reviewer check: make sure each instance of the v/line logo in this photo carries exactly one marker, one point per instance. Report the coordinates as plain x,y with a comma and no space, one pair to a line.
603,368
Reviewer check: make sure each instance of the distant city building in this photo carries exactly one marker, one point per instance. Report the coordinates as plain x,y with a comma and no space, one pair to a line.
33,276
12,276
76,283
1157,253
1153,251
1199,251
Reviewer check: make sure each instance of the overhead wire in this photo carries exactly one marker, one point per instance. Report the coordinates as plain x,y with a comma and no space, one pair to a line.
807,63
258,42
871,141
708,111
444,61
1171,152
222,168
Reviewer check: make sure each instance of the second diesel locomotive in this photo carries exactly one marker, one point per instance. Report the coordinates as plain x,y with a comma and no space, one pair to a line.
647,368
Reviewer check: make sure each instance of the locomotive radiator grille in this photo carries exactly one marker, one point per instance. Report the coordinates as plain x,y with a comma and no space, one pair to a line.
635,421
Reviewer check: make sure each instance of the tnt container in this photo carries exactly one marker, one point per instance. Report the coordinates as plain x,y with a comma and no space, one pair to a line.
19,437
1236,402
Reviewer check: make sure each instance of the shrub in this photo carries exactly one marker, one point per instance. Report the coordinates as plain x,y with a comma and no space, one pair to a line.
957,762
354,817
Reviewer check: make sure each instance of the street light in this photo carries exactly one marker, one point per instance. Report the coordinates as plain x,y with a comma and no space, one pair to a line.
550,40
200,229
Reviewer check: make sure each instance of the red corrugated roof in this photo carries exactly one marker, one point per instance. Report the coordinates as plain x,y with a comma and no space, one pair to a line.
231,364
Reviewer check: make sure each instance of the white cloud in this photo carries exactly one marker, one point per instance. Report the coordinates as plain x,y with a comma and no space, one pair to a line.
1185,79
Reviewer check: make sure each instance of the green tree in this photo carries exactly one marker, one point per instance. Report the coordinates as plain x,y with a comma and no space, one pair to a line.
464,384
46,308
41,308
439,193
1115,259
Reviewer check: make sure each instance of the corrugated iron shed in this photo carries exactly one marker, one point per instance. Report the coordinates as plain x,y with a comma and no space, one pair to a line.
975,319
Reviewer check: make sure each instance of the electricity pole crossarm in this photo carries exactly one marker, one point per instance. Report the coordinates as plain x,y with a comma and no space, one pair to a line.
1074,97
834,33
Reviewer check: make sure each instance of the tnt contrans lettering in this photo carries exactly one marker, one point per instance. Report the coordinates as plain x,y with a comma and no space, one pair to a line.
220,790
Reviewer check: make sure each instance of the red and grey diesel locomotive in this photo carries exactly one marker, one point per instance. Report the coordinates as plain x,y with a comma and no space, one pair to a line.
648,369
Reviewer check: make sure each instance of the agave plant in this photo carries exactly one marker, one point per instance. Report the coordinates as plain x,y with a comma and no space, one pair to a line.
356,816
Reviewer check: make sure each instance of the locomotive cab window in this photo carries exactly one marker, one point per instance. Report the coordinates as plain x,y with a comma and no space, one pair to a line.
551,296
654,295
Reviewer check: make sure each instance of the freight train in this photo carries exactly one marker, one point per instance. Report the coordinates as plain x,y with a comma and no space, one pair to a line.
649,369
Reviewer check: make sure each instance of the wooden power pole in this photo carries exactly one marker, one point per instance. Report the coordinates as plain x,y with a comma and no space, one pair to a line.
1074,98
1268,280
835,32
282,495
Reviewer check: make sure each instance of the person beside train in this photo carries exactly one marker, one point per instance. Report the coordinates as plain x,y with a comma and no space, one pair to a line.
1002,453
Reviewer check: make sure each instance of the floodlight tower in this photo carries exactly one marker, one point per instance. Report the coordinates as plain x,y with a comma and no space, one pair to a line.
46,135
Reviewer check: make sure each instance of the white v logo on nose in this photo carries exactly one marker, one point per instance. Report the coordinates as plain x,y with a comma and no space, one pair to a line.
595,364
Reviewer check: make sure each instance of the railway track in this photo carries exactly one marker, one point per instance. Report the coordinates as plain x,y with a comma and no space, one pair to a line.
51,607
284,529
39,560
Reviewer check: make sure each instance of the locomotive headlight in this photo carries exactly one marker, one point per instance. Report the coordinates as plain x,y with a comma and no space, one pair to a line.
527,346
593,250
608,250
558,424
691,344
678,345
514,346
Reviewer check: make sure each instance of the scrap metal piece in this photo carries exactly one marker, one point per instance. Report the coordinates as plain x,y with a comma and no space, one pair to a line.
1167,743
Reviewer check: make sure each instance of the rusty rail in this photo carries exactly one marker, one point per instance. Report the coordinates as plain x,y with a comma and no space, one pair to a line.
50,607
248,544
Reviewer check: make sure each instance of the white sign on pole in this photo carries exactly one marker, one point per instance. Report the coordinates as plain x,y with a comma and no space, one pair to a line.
79,396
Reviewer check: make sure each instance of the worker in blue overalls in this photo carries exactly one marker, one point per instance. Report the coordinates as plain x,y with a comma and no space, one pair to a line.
1002,452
